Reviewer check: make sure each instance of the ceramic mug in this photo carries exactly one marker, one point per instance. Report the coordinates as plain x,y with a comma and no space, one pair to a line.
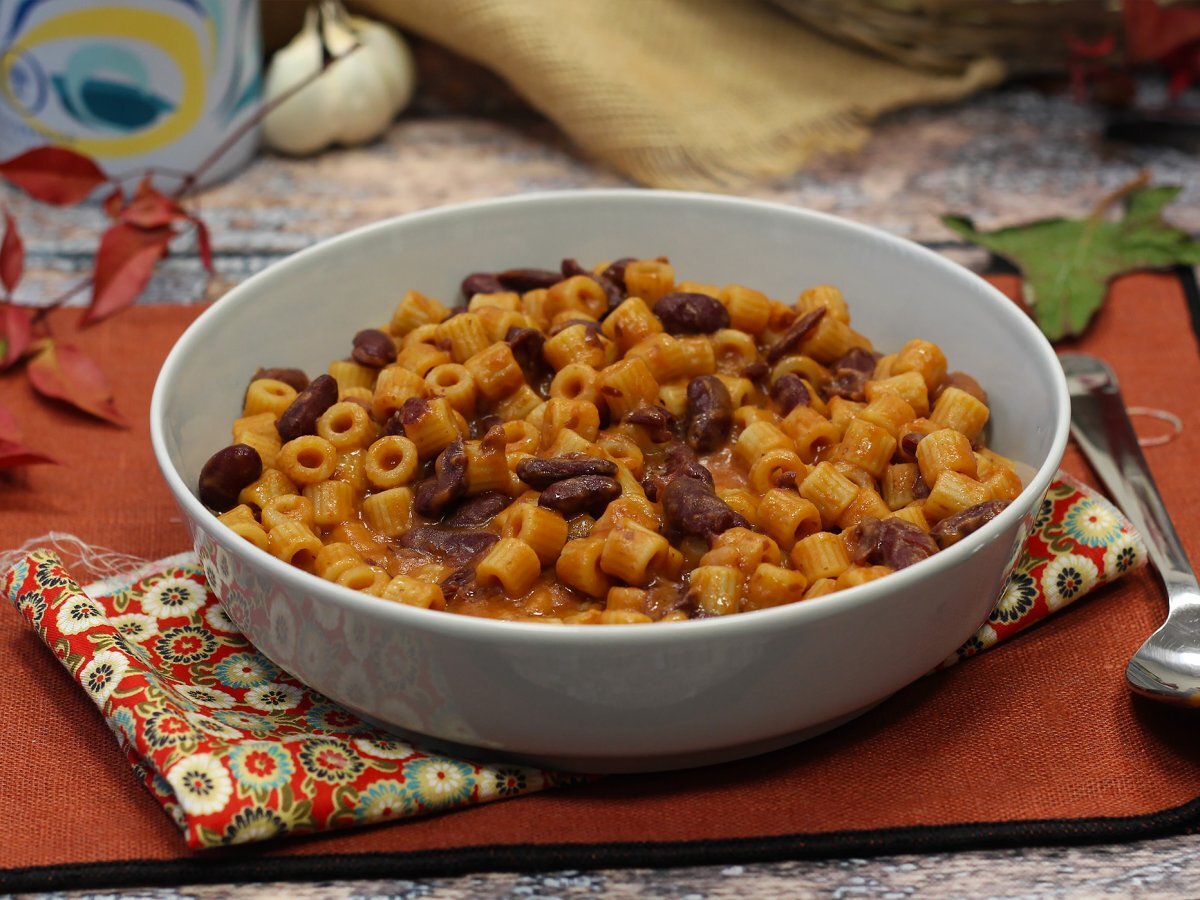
132,83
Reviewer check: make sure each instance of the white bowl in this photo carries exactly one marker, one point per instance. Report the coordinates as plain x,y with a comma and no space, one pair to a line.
615,698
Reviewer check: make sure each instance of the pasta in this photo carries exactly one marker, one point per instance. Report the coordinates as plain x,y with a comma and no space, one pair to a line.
611,446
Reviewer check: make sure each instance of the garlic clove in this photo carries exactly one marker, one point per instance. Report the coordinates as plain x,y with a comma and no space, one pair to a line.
290,127
393,57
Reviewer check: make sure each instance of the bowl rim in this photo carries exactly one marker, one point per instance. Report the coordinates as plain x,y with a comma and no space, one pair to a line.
484,628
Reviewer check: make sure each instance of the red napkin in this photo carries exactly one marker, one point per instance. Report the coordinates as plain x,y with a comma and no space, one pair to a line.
236,750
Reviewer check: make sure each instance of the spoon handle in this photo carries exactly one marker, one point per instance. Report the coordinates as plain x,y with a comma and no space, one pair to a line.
1101,427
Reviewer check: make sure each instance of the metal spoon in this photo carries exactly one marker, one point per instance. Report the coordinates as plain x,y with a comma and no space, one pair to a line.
1167,666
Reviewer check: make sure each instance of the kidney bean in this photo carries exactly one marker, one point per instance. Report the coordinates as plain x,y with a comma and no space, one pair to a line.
484,424
615,272
890,542
850,384
615,294
953,529
226,473
293,377
373,348
691,507
481,283
301,416
522,280
709,413
677,460
796,333
539,474
449,545
920,488
908,444
582,494
526,345
963,382
684,312
448,483
756,371
860,359
477,511
789,391
658,421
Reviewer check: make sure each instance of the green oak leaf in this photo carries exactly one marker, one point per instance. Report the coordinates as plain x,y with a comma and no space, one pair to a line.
1067,263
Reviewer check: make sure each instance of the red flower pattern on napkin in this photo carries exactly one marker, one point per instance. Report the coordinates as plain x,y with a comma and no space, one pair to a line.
236,750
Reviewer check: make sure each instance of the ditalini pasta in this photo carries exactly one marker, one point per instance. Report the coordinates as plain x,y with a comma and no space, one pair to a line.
610,445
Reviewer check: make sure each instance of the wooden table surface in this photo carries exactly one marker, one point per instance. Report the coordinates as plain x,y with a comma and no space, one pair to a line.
1003,157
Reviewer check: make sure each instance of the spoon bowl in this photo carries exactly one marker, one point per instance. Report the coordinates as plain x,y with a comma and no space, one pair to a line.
1167,666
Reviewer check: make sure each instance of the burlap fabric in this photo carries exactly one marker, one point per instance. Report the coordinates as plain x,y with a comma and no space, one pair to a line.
677,93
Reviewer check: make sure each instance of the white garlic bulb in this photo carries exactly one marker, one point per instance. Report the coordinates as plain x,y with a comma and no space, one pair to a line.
354,100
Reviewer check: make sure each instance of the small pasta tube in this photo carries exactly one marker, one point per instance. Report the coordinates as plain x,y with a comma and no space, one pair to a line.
389,513
787,517
820,555
663,354
350,469
633,553
270,484
466,336
856,575
542,529
828,296
776,468
519,404
898,484
732,350
924,358
456,384
495,371
749,310
420,358
627,385
820,588
623,617
742,501
268,395
487,468
832,339
240,520
889,412
307,459
810,431
908,386
649,279
390,462
432,428
715,590
773,586
578,415
867,446
957,409
758,439
347,426
914,515
349,375
414,310
294,543
259,431
945,450
288,506
511,564
866,504
394,386
334,560
580,344
412,592
332,501
578,566
952,493
630,322
629,599
742,549
576,381
577,294
829,491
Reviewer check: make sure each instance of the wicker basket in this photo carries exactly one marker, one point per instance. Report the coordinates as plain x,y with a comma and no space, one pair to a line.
1028,36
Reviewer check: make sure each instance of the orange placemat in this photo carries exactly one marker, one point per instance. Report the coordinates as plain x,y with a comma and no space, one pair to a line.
1036,741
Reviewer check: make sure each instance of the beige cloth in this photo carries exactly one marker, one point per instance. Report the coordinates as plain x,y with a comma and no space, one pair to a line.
682,93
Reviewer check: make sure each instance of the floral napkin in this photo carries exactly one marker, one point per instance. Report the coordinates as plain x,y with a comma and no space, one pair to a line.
236,750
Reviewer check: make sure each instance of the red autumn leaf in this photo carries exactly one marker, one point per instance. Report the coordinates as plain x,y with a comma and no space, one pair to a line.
64,372
1153,31
151,209
13,454
54,175
9,429
114,202
203,244
124,262
12,254
16,331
